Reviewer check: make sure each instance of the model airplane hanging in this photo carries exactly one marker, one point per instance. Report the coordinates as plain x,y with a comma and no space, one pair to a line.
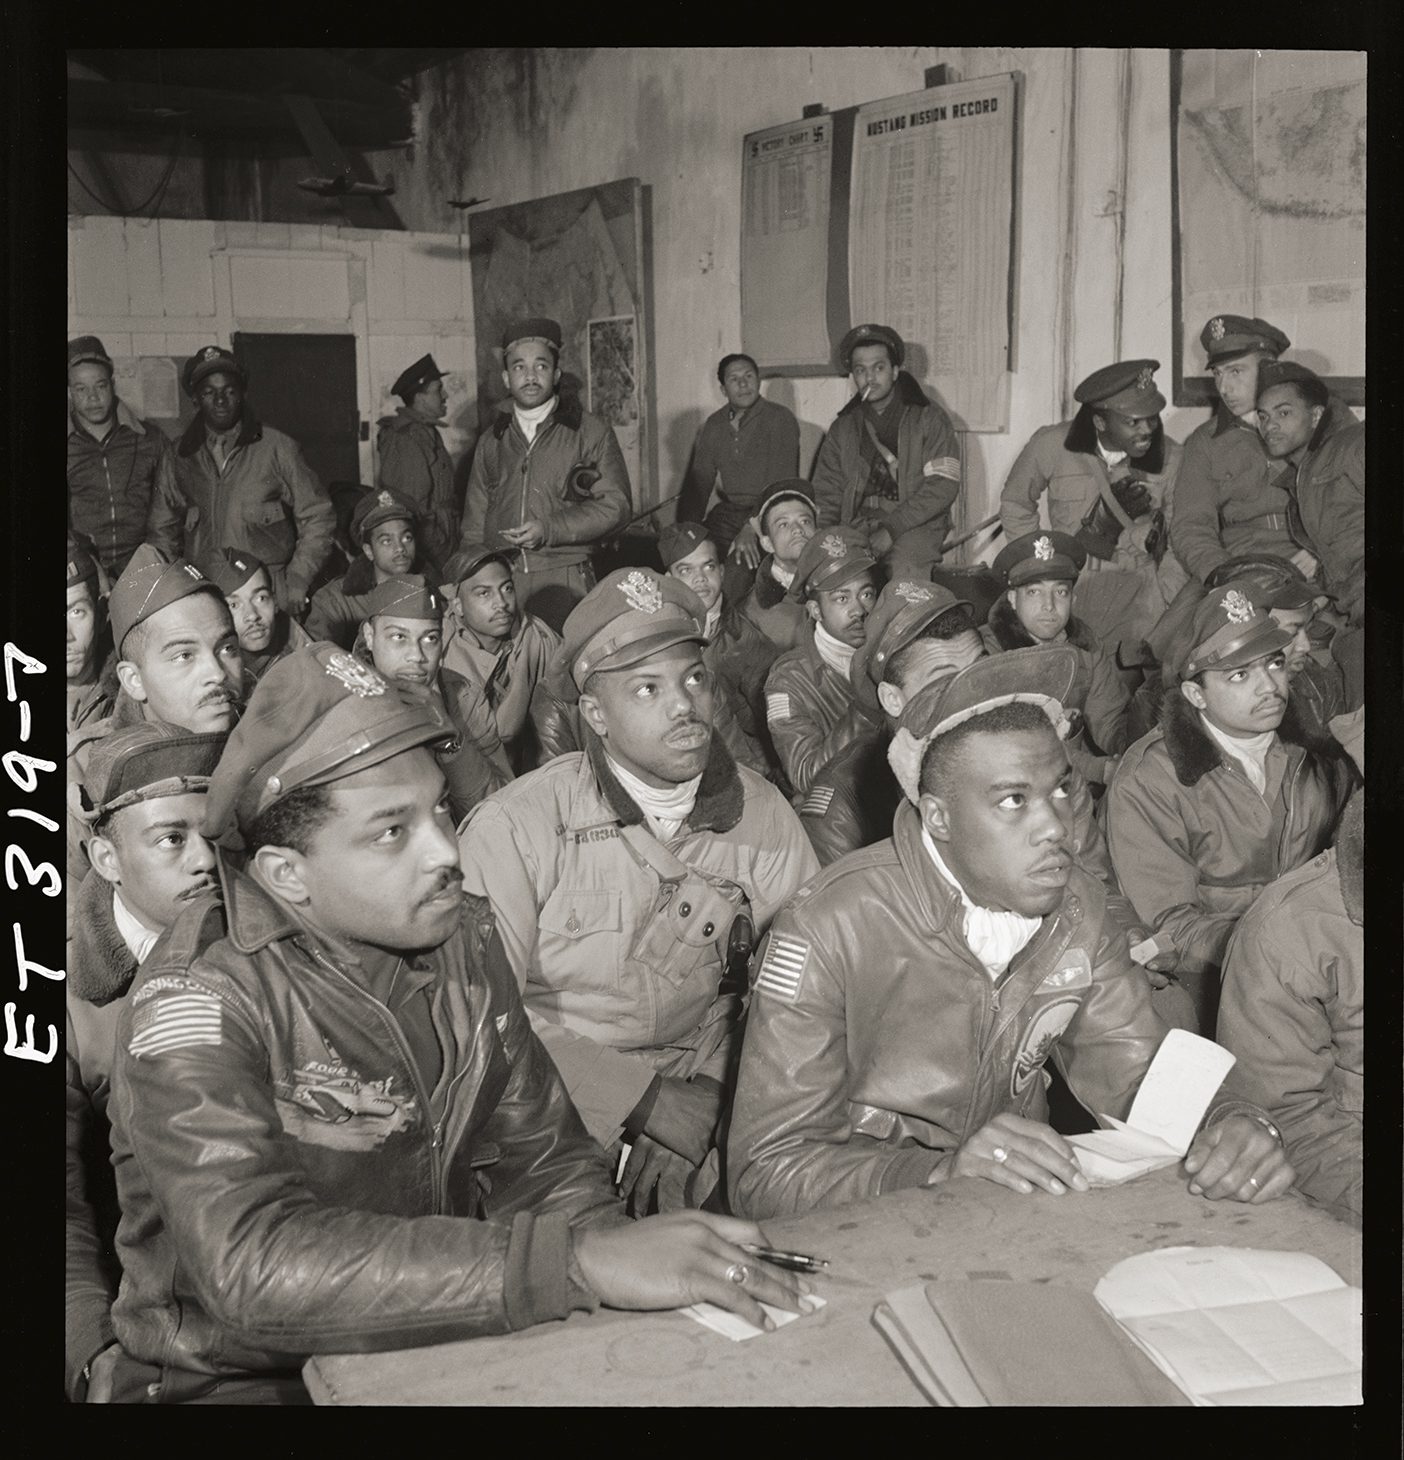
345,185
467,202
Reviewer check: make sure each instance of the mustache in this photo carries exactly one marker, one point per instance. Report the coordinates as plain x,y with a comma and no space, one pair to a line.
442,883
217,697
198,890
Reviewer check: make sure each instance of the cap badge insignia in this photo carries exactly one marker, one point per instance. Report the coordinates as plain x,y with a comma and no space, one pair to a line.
211,352
913,592
72,567
1238,608
1144,381
1043,549
834,545
385,499
1216,328
194,572
359,678
642,592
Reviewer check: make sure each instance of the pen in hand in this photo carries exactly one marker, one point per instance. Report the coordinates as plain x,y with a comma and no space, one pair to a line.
795,1261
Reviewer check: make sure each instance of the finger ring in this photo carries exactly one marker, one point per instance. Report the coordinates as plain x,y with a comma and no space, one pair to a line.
1253,1181
737,1273
999,1154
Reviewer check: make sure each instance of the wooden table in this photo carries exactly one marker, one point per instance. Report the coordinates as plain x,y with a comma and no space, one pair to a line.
965,1229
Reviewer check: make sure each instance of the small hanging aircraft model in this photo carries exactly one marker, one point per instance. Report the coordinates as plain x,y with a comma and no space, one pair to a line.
345,184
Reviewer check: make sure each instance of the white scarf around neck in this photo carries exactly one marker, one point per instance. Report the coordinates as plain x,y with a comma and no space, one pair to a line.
530,419
709,628
1251,753
834,652
783,576
140,939
665,808
994,937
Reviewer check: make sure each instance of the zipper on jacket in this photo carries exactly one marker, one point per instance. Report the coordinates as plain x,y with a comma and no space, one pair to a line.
526,477
1291,787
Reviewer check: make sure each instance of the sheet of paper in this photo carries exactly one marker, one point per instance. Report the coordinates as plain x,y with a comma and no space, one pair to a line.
1237,1326
1109,1157
730,1325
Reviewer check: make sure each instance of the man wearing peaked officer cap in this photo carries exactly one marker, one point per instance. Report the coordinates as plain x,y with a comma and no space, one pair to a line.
301,1105
548,479
1222,796
1115,469
810,707
1229,497
413,459
784,523
119,466
144,799
403,638
916,633
871,1063
91,663
266,632
249,483
650,854
1040,570
891,461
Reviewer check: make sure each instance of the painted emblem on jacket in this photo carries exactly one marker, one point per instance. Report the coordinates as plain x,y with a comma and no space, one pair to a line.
834,545
336,1108
1238,608
642,592
1038,1041
1043,549
912,592
1216,328
359,678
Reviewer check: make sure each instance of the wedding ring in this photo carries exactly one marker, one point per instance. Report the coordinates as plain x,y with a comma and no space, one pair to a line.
999,1154
1253,1182
737,1273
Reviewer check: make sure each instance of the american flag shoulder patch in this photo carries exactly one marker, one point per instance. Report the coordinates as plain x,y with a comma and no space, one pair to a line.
176,1021
782,969
942,466
818,801
777,706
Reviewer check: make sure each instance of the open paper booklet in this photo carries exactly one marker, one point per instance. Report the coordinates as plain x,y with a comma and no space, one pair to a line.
1183,1078
1237,1326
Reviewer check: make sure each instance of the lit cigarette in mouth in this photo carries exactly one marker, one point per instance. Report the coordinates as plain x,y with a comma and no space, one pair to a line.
864,396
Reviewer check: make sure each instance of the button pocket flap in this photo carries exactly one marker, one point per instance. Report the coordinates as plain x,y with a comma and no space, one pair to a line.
699,913
270,512
576,914
489,1153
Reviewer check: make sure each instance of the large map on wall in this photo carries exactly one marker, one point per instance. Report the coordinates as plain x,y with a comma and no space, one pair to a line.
578,258
1271,203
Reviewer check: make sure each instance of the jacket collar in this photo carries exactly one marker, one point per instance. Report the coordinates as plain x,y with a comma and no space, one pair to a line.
403,419
1011,634
1350,857
769,590
100,965
1225,421
720,796
569,412
937,899
1336,417
1082,438
909,393
125,417
250,430
1193,752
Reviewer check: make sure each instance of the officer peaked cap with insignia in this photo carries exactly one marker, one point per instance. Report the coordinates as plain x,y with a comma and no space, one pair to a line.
830,558
533,327
467,561
415,377
1128,387
1227,336
903,610
230,568
379,505
623,620
147,585
207,361
1229,629
89,350
1275,582
871,334
143,762
680,540
318,714
406,597
1038,556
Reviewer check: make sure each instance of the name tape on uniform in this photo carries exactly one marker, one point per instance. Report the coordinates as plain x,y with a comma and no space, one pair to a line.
783,966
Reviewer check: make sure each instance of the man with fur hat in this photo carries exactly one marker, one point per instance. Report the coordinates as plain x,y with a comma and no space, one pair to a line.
902,1049
249,484
266,632
548,479
1293,1007
890,464
630,882
1110,477
91,662
784,523
143,799
1214,803
414,462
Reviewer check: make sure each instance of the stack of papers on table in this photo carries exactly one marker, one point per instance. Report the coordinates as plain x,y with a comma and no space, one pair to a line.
1235,1326
983,1343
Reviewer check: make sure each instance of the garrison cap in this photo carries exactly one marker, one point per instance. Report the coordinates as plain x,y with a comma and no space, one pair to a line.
623,619
903,609
871,334
1286,372
831,557
147,585
1038,556
145,761
82,566
1275,582
533,327
791,489
1227,336
406,597
230,568
380,505
317,715
1044,676
680,540
1228,630
1128,387
415,377
88,350
208,360
466,561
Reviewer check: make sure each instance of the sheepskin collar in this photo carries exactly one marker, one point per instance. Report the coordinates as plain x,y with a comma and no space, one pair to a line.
909,393
100,965
1011,634
1082,437
720,797
1192,750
